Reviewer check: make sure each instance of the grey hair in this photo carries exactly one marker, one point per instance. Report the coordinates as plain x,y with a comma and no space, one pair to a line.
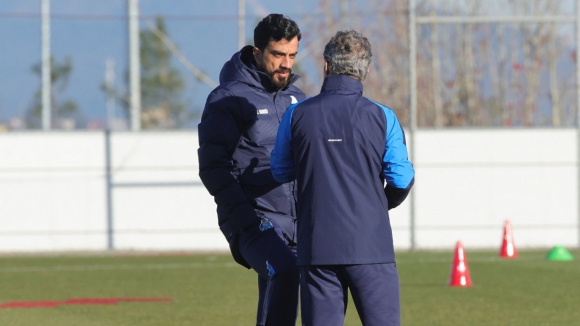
348,53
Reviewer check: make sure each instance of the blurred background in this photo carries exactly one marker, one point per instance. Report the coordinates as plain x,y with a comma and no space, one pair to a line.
487,92
478,63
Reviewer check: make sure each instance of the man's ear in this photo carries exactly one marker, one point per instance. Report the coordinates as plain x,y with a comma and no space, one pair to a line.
257,54
325,68
365,76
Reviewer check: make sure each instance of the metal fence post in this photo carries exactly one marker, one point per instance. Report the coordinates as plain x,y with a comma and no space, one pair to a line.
135,65
109,190
46,66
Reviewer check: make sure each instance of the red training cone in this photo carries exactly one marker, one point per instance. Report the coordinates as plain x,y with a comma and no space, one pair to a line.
460,270
508,249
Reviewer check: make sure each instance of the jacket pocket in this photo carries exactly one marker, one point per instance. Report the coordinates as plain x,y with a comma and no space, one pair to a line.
285,226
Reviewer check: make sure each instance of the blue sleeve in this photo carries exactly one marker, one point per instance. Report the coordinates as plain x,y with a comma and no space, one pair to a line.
282,160
397,169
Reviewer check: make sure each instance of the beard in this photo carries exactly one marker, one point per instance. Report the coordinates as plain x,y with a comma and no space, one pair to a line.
280,82
277,81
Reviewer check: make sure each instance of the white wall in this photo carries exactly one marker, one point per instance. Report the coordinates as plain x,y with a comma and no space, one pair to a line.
470,181
53,191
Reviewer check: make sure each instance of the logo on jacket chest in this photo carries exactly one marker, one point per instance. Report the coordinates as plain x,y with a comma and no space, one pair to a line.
262,111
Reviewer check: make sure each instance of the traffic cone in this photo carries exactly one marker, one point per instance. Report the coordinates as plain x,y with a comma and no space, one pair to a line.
559,253
460,270
508,249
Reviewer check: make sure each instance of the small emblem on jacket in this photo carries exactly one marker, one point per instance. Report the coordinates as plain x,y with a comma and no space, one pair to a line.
293,99
271,270
263,111
334,139
265,224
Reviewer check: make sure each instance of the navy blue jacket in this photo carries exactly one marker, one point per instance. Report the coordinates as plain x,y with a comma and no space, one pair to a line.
236,136
341,147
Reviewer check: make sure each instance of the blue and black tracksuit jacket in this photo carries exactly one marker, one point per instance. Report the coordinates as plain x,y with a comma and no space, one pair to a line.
236,136
341,148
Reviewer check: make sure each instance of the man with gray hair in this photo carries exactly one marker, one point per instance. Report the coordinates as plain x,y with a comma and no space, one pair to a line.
341,147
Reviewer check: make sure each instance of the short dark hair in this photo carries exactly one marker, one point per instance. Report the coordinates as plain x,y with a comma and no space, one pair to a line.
276,27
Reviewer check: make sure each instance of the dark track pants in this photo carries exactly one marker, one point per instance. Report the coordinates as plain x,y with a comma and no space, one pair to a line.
278,276
374,289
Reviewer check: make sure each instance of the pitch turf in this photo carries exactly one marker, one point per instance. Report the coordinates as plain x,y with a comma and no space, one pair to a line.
209,290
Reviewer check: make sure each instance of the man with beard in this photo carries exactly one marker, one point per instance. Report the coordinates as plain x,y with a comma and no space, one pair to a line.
237,132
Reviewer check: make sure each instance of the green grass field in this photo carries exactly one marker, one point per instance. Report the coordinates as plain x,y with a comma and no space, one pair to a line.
212,290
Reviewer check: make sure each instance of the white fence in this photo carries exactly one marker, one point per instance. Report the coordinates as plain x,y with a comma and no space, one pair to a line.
56,193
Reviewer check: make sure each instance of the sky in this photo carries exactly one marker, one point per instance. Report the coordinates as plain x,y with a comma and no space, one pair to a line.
90,32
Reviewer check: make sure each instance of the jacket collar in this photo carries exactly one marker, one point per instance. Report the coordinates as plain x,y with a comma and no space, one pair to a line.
342,82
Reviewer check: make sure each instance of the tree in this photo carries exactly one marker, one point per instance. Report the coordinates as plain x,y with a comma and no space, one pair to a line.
473,74
162,85
65,113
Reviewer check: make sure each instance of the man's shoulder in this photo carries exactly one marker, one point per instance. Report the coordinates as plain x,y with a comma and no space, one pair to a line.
294,90
382,106
234,87
232,90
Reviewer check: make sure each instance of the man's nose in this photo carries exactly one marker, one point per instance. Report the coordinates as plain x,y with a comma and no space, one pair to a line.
286,62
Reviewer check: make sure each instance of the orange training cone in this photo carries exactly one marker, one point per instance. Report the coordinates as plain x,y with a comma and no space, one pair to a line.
460,270
508,249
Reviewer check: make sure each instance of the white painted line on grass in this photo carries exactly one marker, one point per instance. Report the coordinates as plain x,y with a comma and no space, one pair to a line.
475,260
113,267
79,268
